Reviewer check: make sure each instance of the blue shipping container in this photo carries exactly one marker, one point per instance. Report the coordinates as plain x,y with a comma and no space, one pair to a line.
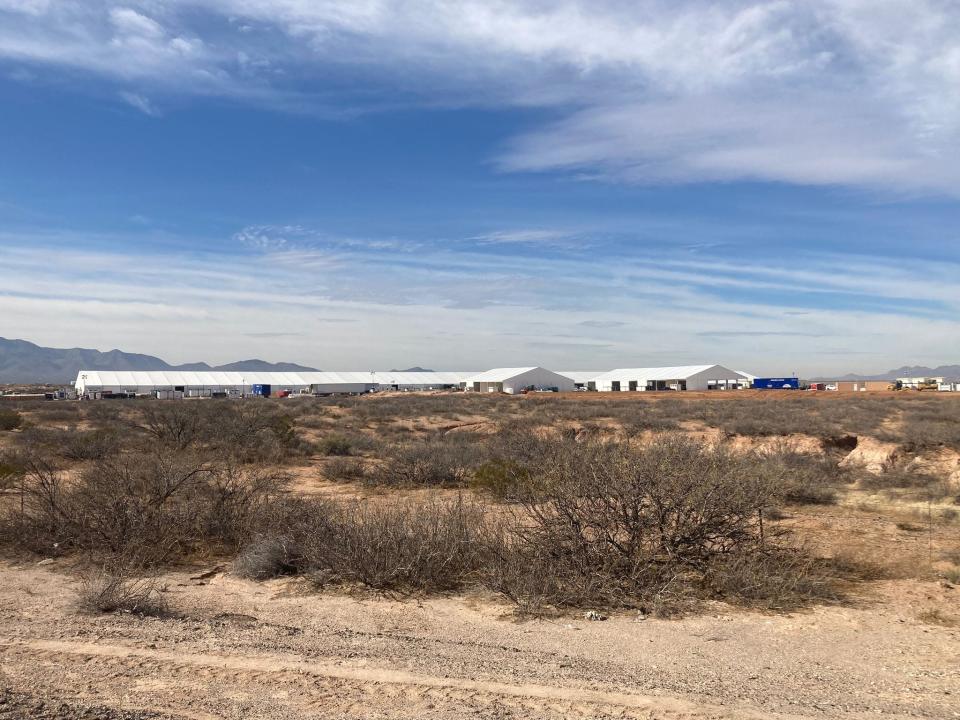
263,390
790,383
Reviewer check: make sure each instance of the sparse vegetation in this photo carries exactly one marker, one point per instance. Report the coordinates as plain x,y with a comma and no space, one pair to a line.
10,420
559,504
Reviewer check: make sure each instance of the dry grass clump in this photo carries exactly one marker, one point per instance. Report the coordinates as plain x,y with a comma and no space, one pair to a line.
265,557
104,591
344,469
911,481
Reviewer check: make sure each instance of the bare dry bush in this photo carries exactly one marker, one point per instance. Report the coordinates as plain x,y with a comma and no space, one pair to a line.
140,509
266,557
344,469
176,425
402,547
423,464
804,478
335,445
72,444
10,470
108,591
611,525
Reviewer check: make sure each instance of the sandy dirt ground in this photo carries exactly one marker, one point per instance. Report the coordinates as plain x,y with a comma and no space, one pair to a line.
240,649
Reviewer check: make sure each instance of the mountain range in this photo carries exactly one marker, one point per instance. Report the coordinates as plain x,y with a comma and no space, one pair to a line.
950,372
23,362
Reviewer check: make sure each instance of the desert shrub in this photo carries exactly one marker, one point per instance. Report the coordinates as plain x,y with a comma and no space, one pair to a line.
265,557
434,546
775,579
177,425
804,478
910,481
102,414
104,591
89,444
232,502
10,470
420,464
57,412
139,509
10,419
609,524
335,445
344,469
253,432
502,478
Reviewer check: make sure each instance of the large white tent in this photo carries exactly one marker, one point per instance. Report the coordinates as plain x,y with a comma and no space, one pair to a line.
200,382
513,380
681,377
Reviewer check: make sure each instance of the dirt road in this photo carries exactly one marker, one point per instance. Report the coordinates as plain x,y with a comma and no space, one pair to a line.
274,650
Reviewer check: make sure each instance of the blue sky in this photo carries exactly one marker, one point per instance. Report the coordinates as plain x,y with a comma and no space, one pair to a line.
463,184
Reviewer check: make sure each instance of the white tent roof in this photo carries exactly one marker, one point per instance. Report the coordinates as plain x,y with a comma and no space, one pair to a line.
679,372
580,376
451,377
172,378
498,375
164,378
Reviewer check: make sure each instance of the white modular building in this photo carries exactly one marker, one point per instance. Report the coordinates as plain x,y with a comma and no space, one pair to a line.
683,377
515,380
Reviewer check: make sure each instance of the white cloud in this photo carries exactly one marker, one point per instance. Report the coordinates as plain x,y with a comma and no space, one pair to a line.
130,22
141,103
528,237
825,92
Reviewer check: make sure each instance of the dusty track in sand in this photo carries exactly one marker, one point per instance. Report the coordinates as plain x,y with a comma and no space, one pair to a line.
314,683
270,650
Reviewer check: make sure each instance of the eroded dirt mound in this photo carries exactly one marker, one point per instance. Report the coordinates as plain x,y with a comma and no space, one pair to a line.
872,455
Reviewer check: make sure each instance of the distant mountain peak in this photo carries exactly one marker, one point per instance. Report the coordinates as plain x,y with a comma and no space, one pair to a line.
24,362
413,369
950,372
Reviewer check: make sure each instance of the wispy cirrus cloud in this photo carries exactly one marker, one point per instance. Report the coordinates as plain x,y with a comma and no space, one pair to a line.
141,103
550,309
